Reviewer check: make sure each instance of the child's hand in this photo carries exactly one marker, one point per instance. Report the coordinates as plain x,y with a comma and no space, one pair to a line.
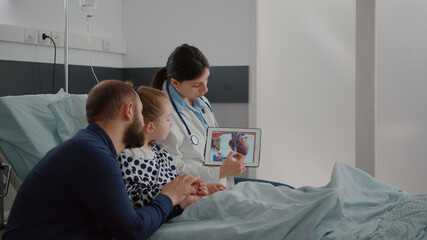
215,187
201,189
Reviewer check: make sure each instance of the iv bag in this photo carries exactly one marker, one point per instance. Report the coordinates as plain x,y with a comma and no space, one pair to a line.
87,6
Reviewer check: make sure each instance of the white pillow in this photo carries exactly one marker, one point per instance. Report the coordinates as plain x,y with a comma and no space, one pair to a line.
70,114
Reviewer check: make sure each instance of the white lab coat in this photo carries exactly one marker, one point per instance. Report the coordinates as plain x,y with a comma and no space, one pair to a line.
189,158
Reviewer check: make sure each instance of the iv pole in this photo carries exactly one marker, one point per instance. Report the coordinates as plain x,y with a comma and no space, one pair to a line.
66,45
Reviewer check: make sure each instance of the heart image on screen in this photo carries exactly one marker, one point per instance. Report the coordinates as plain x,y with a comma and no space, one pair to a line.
238,143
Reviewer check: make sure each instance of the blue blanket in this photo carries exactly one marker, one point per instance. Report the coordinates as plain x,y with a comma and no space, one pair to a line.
353,205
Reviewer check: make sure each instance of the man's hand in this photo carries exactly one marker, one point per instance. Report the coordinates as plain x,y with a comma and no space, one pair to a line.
231,168
201,191
180,188
189,200
215,187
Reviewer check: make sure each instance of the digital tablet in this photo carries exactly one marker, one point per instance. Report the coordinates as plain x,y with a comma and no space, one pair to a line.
220,141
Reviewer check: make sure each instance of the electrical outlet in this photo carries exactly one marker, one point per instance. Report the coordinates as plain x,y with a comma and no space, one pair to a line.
57,37
106,45
41,40
30,35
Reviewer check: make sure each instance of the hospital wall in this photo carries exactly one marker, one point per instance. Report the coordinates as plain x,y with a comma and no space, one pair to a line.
401,99
343,81
49,15
305,89
37,59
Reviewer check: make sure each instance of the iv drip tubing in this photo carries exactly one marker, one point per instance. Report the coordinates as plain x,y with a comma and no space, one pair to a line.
66,45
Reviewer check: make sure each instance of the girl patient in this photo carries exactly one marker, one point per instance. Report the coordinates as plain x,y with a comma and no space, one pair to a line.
146,169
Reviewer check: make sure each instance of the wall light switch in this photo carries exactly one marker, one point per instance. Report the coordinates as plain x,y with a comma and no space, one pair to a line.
106,45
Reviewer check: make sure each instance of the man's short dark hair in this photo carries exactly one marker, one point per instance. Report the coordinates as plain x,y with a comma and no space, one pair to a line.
106,98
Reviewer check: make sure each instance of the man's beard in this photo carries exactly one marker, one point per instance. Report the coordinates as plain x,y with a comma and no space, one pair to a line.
134,137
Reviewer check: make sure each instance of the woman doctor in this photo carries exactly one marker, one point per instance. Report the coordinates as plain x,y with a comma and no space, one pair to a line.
185,80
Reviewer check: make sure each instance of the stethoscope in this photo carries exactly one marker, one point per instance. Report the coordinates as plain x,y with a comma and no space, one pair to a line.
193,138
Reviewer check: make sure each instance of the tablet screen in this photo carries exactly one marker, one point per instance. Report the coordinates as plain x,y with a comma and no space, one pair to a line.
220,141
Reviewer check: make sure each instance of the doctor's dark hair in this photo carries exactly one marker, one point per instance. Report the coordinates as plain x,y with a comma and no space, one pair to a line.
186,63
106,98
151,99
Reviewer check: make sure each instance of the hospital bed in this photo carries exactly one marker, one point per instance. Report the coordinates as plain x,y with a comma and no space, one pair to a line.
353,205
30,125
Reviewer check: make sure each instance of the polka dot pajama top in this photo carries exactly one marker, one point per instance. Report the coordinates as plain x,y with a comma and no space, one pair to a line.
145,172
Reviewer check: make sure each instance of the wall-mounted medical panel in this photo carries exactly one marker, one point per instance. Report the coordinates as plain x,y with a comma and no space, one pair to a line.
31,35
